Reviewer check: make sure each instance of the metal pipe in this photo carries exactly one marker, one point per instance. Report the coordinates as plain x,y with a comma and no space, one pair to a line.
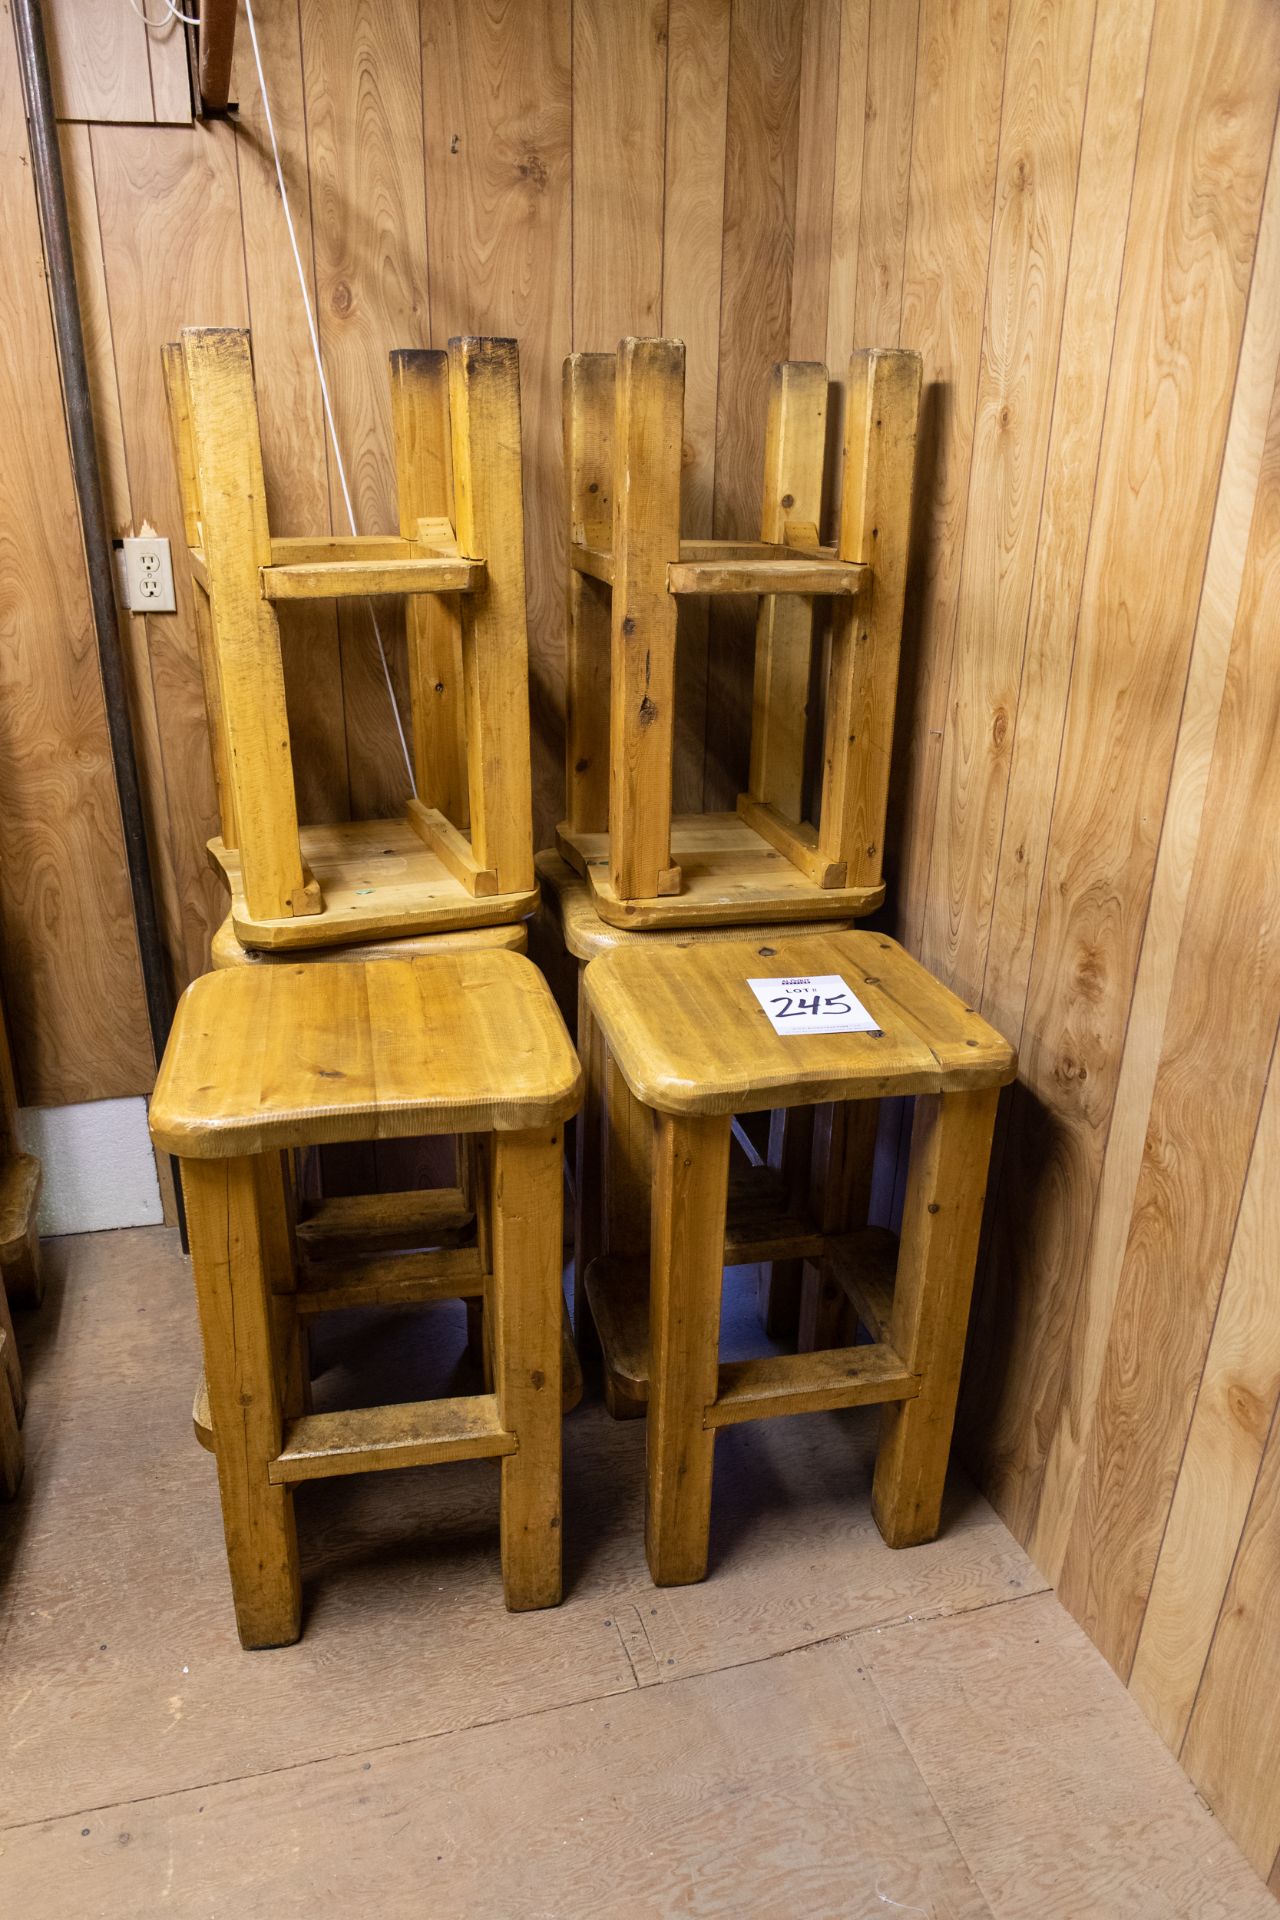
46,166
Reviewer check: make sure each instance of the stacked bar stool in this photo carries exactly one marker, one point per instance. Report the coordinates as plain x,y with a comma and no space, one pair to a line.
455,873
626,871
263,1060
695,1043
463,854
763,864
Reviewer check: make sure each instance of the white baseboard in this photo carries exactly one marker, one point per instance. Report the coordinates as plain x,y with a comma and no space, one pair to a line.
99,1170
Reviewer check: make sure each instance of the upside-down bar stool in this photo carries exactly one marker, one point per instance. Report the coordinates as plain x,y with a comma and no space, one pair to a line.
624,433
695,1046
265,1059
463,854
613,1172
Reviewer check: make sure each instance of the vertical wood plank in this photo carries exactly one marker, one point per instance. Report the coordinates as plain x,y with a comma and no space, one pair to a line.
1216,1036
497,93
295,452
1192,235
1235,1405
821,86
184,181
894,31
363,89
99,342
955,140
619,129
1235,1728
849,140
1180,832
71,978
1046,76
755,324
692,249
98,61
1109,144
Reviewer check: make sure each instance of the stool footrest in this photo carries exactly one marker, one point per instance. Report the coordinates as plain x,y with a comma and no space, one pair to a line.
862,1262
362,1222
419,1433
760,1225
809,1382
397,1280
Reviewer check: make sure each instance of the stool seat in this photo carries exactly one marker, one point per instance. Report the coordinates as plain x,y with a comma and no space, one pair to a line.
690,1037
225,950
286,1056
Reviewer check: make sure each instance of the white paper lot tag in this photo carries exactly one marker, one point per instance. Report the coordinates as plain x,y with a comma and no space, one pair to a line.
813,1003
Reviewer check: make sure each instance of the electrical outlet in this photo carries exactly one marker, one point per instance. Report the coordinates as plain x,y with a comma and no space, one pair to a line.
148,575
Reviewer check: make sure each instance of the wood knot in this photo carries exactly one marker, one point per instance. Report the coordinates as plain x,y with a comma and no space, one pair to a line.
648,712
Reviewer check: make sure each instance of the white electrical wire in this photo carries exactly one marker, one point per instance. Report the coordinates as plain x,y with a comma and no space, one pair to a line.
324,384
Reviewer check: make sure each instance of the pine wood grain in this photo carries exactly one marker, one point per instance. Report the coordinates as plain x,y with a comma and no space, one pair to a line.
955,143
619,128
755,319
364,141
1226,1442
1180,1236
1047,70
692,253
1184,295
71,981
497,97
98,62
295,453
1166,916
184,179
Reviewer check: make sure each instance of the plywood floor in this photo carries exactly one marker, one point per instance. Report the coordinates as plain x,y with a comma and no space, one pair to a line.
822,1728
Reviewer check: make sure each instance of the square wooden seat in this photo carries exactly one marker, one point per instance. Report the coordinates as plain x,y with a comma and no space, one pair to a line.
263,1059
765,863
694,1045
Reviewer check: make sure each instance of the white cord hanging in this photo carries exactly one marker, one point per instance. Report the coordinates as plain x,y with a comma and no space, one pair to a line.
324,384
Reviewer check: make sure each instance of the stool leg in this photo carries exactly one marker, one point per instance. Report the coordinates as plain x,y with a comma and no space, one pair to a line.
628,1188
690,1187
527,1214
231,1264
946,1184
588,1175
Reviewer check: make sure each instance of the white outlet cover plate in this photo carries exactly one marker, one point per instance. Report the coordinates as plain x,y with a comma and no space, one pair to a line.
148,575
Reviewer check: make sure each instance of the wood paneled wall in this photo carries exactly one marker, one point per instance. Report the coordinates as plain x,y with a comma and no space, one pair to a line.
1072,209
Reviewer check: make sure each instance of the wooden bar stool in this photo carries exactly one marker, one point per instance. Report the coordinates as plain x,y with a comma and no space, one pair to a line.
613,1173
371,1226
463,853
695,1044
265,1059
624,439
